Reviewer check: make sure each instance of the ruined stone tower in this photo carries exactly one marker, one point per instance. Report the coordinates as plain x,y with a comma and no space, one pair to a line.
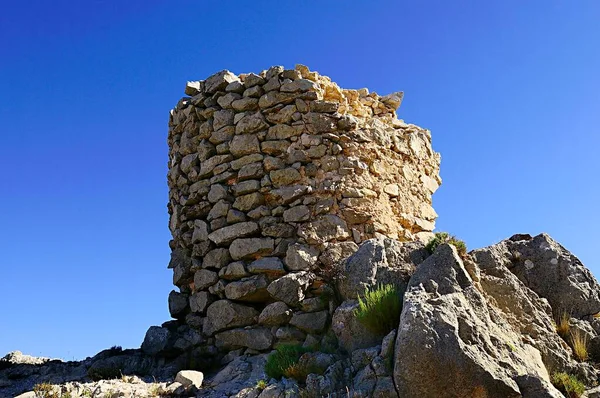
273,178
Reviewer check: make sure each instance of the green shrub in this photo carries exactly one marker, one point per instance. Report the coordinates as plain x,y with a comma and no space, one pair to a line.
379,309
284,358
261,385
568,384
445,237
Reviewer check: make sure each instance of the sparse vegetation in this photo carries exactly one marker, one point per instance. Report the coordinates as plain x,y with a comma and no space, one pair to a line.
261,385
281,362
568,384
127,379
45,390
511,346
579,344
445,237
379,309
156,390
563,327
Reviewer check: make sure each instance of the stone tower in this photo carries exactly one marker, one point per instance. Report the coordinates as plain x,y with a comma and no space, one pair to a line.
273,178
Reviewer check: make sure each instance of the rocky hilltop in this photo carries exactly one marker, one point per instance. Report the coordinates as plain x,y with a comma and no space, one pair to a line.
306,266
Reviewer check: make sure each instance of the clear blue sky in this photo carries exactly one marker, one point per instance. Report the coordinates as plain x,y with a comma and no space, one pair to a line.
510,90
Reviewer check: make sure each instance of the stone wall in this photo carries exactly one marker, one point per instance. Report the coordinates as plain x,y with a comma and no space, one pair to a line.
273,178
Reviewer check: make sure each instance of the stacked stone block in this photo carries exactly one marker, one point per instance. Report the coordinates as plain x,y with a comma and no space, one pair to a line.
273,178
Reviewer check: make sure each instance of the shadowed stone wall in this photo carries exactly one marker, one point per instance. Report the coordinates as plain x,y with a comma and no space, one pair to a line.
273,178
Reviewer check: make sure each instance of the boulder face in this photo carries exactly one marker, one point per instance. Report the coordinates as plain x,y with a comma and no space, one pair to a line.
451,342
379,261
548,269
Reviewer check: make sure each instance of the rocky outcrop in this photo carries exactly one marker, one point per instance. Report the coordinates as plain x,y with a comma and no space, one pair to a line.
449,330
548,269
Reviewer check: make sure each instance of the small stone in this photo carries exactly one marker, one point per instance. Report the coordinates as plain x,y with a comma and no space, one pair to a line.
313,304
156,340
275,314
254,92
284,177
282,132
178,304
194,88
326,228
392,190
200,231
267,265
272,84
217,192
286,195
259,339
226,100
235,87
253,79
249,201
273,98
237,164
216,258
249,171
235,216
301,257
290,288
242,145
283,116
204,278
279,230
252,289
300,85
234,271
229,233
189,378
251,124
274,148
188,162
200,301
246,187
224,314
245,104
393,100
219,81
296,214
222,135
313,322
290,333
219,209
251,248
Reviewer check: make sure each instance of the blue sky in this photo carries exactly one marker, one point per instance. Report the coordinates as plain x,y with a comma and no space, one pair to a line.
509,89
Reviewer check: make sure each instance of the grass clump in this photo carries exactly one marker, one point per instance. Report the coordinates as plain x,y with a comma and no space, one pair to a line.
579,344
283,362
563,327
379,309
444,237
45,390
568,384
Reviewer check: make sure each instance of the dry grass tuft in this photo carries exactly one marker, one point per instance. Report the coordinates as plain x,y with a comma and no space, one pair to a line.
579,343
563,327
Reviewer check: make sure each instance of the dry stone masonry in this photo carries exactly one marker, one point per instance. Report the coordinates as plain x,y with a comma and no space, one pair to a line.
273,178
